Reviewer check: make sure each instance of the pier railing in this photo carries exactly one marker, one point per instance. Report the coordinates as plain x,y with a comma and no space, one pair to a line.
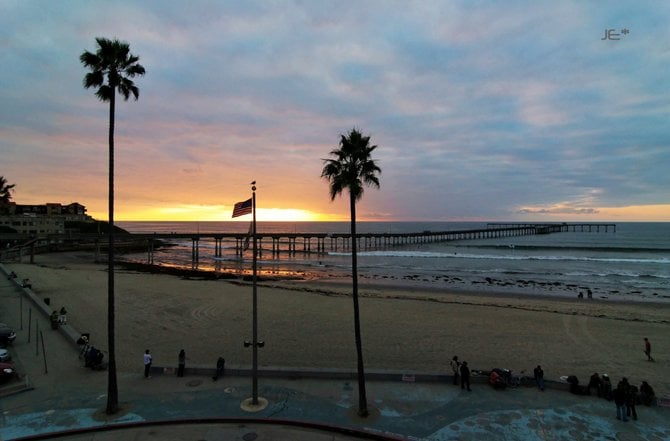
558,227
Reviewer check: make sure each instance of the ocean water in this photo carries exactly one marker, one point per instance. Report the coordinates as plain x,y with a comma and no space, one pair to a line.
632,263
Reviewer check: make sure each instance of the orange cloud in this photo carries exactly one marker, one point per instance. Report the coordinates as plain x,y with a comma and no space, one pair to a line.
638,213
632,213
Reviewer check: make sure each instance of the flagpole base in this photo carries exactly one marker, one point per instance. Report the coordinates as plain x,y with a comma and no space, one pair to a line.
248,406
354,414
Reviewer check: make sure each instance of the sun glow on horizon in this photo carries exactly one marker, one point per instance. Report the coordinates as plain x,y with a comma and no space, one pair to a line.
214,213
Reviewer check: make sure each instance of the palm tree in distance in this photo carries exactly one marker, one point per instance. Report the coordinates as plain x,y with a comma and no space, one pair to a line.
5,191
111,68
352,168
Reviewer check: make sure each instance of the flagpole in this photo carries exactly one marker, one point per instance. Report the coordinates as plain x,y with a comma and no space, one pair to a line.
253,404
254,397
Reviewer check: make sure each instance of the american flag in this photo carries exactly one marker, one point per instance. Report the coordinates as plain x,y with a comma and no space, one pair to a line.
242,208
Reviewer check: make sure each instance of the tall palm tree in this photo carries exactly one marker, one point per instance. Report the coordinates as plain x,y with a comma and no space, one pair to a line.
352,168
5,193
111,68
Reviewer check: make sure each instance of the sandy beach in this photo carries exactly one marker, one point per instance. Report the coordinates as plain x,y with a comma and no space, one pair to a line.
309,324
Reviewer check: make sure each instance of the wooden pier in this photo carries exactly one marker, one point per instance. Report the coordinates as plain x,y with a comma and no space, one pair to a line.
560,228
323,243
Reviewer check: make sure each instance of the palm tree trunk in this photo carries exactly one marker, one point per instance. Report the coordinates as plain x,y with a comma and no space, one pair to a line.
112,387
362,398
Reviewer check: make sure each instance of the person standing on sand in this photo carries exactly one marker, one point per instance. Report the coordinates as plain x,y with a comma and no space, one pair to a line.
181,363
647,349
465,376
147,363
455,366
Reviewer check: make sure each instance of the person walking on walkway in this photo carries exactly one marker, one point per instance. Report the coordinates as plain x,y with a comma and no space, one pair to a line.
465,376
147,363
455,367
181,363
647,349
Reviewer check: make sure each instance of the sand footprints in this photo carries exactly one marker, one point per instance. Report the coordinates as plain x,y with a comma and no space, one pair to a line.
205,313
577,329
594,348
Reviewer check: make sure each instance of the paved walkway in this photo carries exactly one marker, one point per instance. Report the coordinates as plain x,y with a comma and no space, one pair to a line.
66,397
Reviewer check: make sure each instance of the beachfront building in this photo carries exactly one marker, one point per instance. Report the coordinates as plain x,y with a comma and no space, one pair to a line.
32,224
72,212
47,218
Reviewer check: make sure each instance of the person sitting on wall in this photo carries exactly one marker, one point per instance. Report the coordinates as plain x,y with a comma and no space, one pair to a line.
54,320
220,368
595,383
62,319
575,387
606,387
647,395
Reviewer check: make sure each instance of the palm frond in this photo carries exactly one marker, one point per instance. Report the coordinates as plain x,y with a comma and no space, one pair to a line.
114,63
95,78
351,166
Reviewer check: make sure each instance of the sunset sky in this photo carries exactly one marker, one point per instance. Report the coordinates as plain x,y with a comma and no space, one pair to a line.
481,110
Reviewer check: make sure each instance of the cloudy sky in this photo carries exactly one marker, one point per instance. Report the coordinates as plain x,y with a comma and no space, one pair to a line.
481,110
